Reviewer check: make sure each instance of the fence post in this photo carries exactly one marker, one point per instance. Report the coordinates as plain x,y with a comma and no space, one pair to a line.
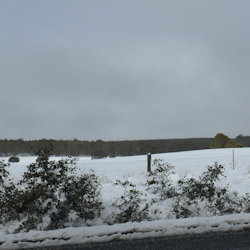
149,162
233,158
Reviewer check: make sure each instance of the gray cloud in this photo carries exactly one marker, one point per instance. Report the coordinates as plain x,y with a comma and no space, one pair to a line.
124,69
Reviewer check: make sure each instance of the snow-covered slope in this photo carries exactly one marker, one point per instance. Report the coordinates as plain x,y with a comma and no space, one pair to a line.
189,163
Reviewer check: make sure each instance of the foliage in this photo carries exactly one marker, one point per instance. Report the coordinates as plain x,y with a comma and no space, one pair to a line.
131,205
204,187
233,144
3,173
246,202
119,148
223,141
13,159
81,195
48,192
195,193
194,197
8,193
98,154
159,182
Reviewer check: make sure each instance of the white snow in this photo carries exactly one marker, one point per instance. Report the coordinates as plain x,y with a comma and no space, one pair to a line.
133,168
189,163
126,231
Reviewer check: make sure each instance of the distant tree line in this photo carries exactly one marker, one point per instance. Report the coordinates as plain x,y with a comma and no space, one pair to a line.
94,148
107,148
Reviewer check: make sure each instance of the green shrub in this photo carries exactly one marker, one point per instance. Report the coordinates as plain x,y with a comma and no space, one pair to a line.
82,195
13,159
8,193
159,181
131,206
196,194
200,196
48,192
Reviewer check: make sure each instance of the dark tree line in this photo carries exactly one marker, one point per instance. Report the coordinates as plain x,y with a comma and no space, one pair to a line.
110,148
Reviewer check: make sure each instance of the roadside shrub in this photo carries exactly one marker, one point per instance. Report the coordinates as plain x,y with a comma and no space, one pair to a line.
3,189
159,181
246,203
198,196
50,196
8,193
131,206
49,191
3,173
204,187
82,195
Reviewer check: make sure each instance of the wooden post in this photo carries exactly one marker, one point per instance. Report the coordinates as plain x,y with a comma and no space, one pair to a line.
149,162
233,158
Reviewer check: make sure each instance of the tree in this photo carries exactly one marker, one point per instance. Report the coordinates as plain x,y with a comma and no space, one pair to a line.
98,154
223,141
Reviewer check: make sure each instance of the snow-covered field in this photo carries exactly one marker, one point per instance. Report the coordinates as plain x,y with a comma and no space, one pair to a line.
189,163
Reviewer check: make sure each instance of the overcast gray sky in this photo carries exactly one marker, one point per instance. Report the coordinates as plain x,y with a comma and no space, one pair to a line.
124,69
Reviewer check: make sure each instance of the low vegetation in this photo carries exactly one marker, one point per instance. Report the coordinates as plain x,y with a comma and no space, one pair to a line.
51,195
48,195
13,159
131,206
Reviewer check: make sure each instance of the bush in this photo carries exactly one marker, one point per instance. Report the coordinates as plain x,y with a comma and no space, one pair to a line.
3,173
51,196
49,191
131,205
195,195
8,193
3,189
159,182
13,159
82,195
246,201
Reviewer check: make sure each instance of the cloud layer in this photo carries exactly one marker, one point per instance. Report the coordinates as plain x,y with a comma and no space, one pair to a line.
124,69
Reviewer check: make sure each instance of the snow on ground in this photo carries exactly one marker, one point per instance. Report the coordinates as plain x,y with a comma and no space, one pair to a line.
133,168
189,163
126,231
